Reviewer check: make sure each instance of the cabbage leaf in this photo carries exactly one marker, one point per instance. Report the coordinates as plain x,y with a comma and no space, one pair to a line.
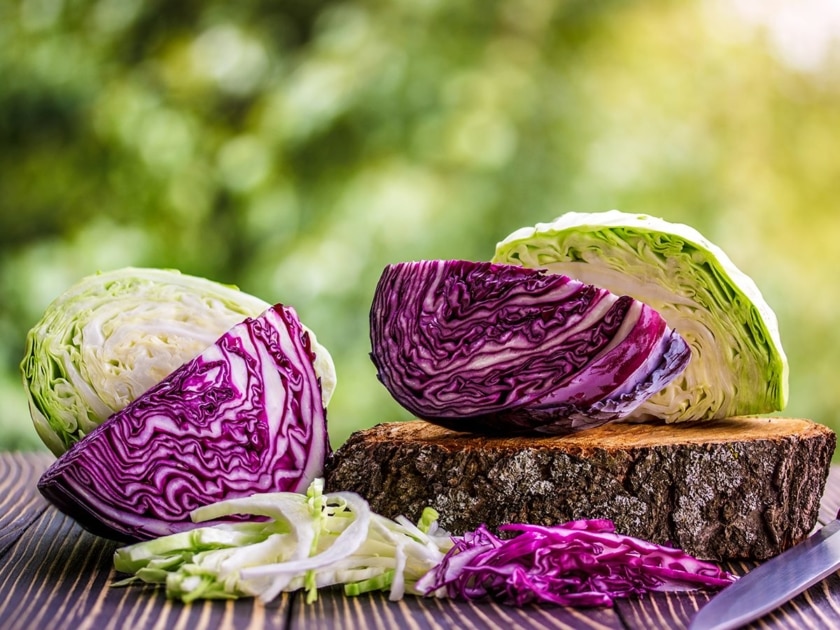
489,348
245,416
113,335
737,367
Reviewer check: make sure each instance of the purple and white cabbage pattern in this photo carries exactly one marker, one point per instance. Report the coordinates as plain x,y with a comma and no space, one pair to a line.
245,416
489,348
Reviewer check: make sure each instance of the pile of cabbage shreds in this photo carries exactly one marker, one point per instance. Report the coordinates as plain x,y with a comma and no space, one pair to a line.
322,539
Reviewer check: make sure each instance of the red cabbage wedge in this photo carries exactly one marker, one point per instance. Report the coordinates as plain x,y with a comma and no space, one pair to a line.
482,347
245,416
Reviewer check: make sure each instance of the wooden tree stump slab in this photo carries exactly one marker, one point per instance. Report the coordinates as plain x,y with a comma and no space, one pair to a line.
738,488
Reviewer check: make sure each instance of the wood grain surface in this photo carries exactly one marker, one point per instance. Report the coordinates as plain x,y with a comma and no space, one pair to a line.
20,502
53,574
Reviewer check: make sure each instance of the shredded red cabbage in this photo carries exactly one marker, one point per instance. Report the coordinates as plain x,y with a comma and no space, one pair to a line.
580,563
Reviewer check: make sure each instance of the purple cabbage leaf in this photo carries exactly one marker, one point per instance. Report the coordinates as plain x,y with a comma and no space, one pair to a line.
497,348
244,416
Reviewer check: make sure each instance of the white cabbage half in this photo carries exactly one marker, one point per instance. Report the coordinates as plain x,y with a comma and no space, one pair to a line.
113,335
738,366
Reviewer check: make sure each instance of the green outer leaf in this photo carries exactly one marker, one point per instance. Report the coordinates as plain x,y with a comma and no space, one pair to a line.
113,335
738,366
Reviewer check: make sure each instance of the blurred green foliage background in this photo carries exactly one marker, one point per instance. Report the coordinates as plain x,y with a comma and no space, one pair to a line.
295,147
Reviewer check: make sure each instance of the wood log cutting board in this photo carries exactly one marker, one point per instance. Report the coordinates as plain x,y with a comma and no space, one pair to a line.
738,488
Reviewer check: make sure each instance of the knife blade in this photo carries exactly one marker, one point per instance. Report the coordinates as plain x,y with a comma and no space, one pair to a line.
774,582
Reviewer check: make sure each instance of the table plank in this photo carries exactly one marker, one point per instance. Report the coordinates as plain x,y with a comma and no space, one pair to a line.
665,611
20,501
53,573
59,576
373,611
831,496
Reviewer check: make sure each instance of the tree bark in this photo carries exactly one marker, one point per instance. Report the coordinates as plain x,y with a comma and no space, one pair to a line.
738,488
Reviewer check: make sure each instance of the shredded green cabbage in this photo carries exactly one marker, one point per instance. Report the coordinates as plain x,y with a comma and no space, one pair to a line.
307,542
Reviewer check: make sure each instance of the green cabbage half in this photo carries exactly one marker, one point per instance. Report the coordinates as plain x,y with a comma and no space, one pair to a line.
113,335
738,366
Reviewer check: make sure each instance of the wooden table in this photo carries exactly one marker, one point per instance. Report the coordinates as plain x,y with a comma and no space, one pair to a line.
53,574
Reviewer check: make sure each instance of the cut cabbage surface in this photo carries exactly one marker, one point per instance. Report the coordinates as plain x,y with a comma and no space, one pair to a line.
738,366
113,335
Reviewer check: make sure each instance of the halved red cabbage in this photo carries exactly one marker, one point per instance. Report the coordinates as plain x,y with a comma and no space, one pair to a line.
245,416
580,563
483,347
